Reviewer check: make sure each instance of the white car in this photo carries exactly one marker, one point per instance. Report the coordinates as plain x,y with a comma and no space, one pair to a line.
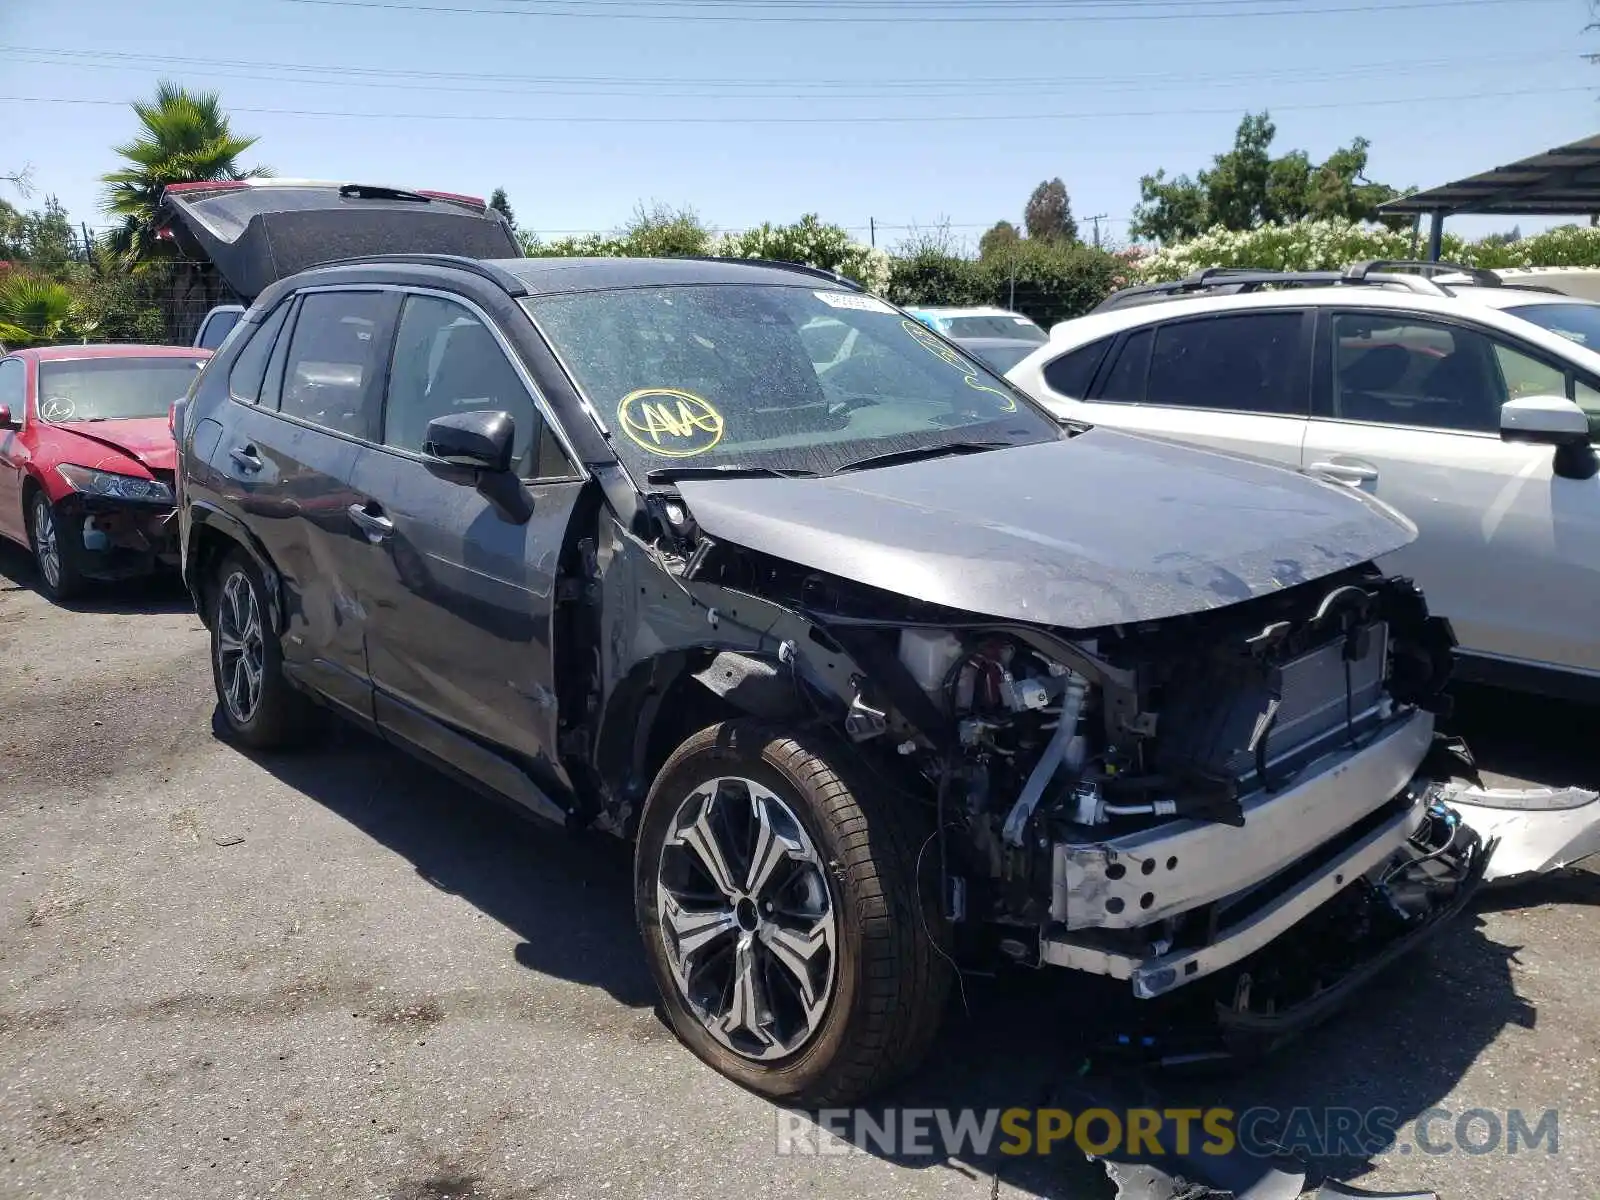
1469,405
979,321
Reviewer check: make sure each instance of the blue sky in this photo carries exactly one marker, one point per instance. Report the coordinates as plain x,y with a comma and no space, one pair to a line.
580,117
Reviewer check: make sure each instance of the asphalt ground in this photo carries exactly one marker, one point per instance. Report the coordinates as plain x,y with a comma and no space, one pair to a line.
336,973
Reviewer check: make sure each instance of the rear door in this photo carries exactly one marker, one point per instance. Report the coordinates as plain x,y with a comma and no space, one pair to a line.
1408,408
458,576
307,391
1233,381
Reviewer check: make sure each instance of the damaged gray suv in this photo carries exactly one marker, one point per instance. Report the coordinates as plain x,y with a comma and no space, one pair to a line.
883,671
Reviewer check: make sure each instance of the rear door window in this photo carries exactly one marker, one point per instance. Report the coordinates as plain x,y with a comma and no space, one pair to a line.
331,374
1245,362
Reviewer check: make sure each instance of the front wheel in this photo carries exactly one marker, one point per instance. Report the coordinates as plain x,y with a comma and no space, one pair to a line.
256,701
53,557
783,920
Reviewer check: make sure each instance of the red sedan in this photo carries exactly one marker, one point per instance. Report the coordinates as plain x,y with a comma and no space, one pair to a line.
86,458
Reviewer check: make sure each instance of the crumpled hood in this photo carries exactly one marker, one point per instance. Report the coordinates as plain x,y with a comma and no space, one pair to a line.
146,440
1100,529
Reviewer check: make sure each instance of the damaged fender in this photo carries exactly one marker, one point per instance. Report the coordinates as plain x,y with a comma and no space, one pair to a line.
1538,829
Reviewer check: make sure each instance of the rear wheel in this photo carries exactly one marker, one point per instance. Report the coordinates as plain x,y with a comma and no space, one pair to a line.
257,703
55,560
783,920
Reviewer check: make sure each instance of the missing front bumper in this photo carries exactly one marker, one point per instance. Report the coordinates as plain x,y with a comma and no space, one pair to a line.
112,540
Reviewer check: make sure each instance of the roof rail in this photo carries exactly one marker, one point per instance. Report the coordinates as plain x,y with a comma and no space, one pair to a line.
1241,280
460,262
1481,276
804,268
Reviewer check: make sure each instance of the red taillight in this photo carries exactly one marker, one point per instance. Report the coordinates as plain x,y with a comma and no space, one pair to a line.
456,196
222,185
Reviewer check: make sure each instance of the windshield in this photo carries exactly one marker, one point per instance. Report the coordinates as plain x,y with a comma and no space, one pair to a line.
1578,322
112,389
995,326
774,377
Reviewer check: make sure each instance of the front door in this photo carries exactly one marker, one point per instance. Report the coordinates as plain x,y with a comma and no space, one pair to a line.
458,580
1409,410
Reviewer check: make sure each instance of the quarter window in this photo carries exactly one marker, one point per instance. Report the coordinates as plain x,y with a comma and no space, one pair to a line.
446,361
333,353
1526,376
1244,363
1072,373
1125,381
1417,373
244,381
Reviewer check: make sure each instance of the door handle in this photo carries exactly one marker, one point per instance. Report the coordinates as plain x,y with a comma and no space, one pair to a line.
1348,472
375,525
246,458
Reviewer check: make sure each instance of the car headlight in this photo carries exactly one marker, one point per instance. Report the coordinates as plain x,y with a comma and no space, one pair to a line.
116,487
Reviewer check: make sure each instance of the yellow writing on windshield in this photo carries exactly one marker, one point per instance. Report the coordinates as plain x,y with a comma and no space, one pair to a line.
930,342
670,421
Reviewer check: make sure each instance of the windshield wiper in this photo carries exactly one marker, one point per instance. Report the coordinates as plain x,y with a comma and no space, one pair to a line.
892,457
726,471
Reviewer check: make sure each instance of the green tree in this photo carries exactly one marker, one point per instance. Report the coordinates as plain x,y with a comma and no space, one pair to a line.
33,311
498,202
184,137
1048,215
1003,236
1246,187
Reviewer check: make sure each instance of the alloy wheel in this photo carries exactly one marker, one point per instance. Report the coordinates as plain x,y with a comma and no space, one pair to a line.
46,546
747,918
239,647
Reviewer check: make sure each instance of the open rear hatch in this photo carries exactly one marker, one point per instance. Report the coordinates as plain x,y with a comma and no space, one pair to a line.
256,232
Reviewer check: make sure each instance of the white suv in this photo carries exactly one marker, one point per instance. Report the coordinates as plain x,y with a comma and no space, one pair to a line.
1469,405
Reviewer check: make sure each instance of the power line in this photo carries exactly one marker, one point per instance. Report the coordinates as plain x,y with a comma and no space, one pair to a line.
588,12
604,85
873,119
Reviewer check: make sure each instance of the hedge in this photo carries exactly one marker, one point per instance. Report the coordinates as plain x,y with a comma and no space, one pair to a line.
1329,245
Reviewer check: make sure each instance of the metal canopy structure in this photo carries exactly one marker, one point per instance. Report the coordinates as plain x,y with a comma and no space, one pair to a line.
1561,182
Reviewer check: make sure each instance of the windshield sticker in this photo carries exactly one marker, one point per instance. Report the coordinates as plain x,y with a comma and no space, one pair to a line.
670,421
57,408
948,354
853,300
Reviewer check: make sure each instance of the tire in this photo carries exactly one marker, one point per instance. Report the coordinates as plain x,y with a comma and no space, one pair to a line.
54,556
875,983
257,704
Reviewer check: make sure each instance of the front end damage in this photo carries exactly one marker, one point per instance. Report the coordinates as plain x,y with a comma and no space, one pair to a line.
113,539
1250,796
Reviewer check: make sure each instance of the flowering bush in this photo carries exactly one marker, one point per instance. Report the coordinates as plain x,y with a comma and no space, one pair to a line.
812,243
663,232
1330,245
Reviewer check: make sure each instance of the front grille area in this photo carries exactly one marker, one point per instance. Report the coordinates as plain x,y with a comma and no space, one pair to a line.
1214,722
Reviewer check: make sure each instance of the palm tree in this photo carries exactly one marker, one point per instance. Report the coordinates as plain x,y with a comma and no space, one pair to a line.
185,139
33,311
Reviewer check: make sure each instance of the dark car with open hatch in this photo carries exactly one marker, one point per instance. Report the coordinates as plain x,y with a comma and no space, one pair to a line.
881,668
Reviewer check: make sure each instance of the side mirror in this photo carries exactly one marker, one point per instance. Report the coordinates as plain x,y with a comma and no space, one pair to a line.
1544,421
7,421
481,440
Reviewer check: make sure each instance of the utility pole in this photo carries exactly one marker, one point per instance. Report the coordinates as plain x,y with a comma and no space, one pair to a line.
872,231
1097,218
